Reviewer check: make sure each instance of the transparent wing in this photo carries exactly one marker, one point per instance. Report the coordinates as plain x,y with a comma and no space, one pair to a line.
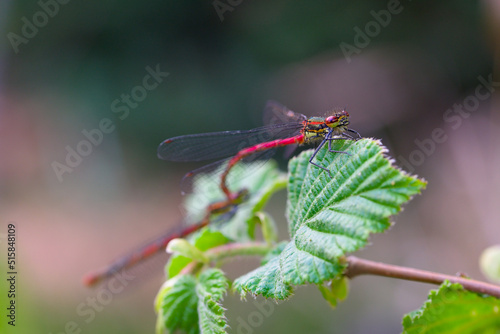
215,169
276,113
216,145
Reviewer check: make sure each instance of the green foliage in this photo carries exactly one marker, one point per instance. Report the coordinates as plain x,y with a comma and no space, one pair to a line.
275,252
202,241
335,291
184,248
261,181
176,305
331,216
210,290
268,227
192,304
328,217
451,309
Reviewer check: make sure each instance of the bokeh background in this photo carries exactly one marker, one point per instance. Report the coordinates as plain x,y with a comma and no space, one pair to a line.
224,59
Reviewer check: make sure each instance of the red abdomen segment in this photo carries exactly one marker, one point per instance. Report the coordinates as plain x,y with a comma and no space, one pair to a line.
141,254
159,244
299,139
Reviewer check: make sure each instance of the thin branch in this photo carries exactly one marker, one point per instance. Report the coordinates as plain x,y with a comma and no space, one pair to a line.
238,249
357,266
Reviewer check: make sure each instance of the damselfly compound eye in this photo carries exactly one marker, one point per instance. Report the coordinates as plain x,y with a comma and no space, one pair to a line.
331,119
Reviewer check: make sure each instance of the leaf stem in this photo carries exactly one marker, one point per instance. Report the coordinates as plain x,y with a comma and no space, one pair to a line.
357,266
238,249
223,252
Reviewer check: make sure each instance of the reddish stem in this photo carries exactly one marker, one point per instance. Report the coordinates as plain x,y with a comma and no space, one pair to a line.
357,266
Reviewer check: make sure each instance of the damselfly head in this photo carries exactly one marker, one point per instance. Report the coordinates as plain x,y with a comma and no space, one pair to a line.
241,196
338,119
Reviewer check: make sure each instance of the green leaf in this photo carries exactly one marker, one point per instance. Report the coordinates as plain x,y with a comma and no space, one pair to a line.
275,252
183,247
175,264
178,306
451,309
335,291
165,288
209,239
210,290
192,305
329,217
267,224
261,180
203,241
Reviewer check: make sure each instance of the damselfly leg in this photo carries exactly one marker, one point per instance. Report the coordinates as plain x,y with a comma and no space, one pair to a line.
331,137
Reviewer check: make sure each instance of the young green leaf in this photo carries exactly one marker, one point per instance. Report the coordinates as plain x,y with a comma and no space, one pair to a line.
178,306
211,288
203,240
267,225
330,216
192,305
334,291
183,247
451,309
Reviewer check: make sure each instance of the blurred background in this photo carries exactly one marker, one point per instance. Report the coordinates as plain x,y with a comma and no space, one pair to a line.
420,75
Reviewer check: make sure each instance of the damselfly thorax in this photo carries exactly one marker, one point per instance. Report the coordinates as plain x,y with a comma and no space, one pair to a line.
316,128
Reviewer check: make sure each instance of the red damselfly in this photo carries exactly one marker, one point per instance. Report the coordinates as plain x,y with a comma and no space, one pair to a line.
286,128
215,212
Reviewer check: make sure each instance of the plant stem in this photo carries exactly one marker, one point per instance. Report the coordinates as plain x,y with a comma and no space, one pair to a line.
357,266
238,249
229,250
